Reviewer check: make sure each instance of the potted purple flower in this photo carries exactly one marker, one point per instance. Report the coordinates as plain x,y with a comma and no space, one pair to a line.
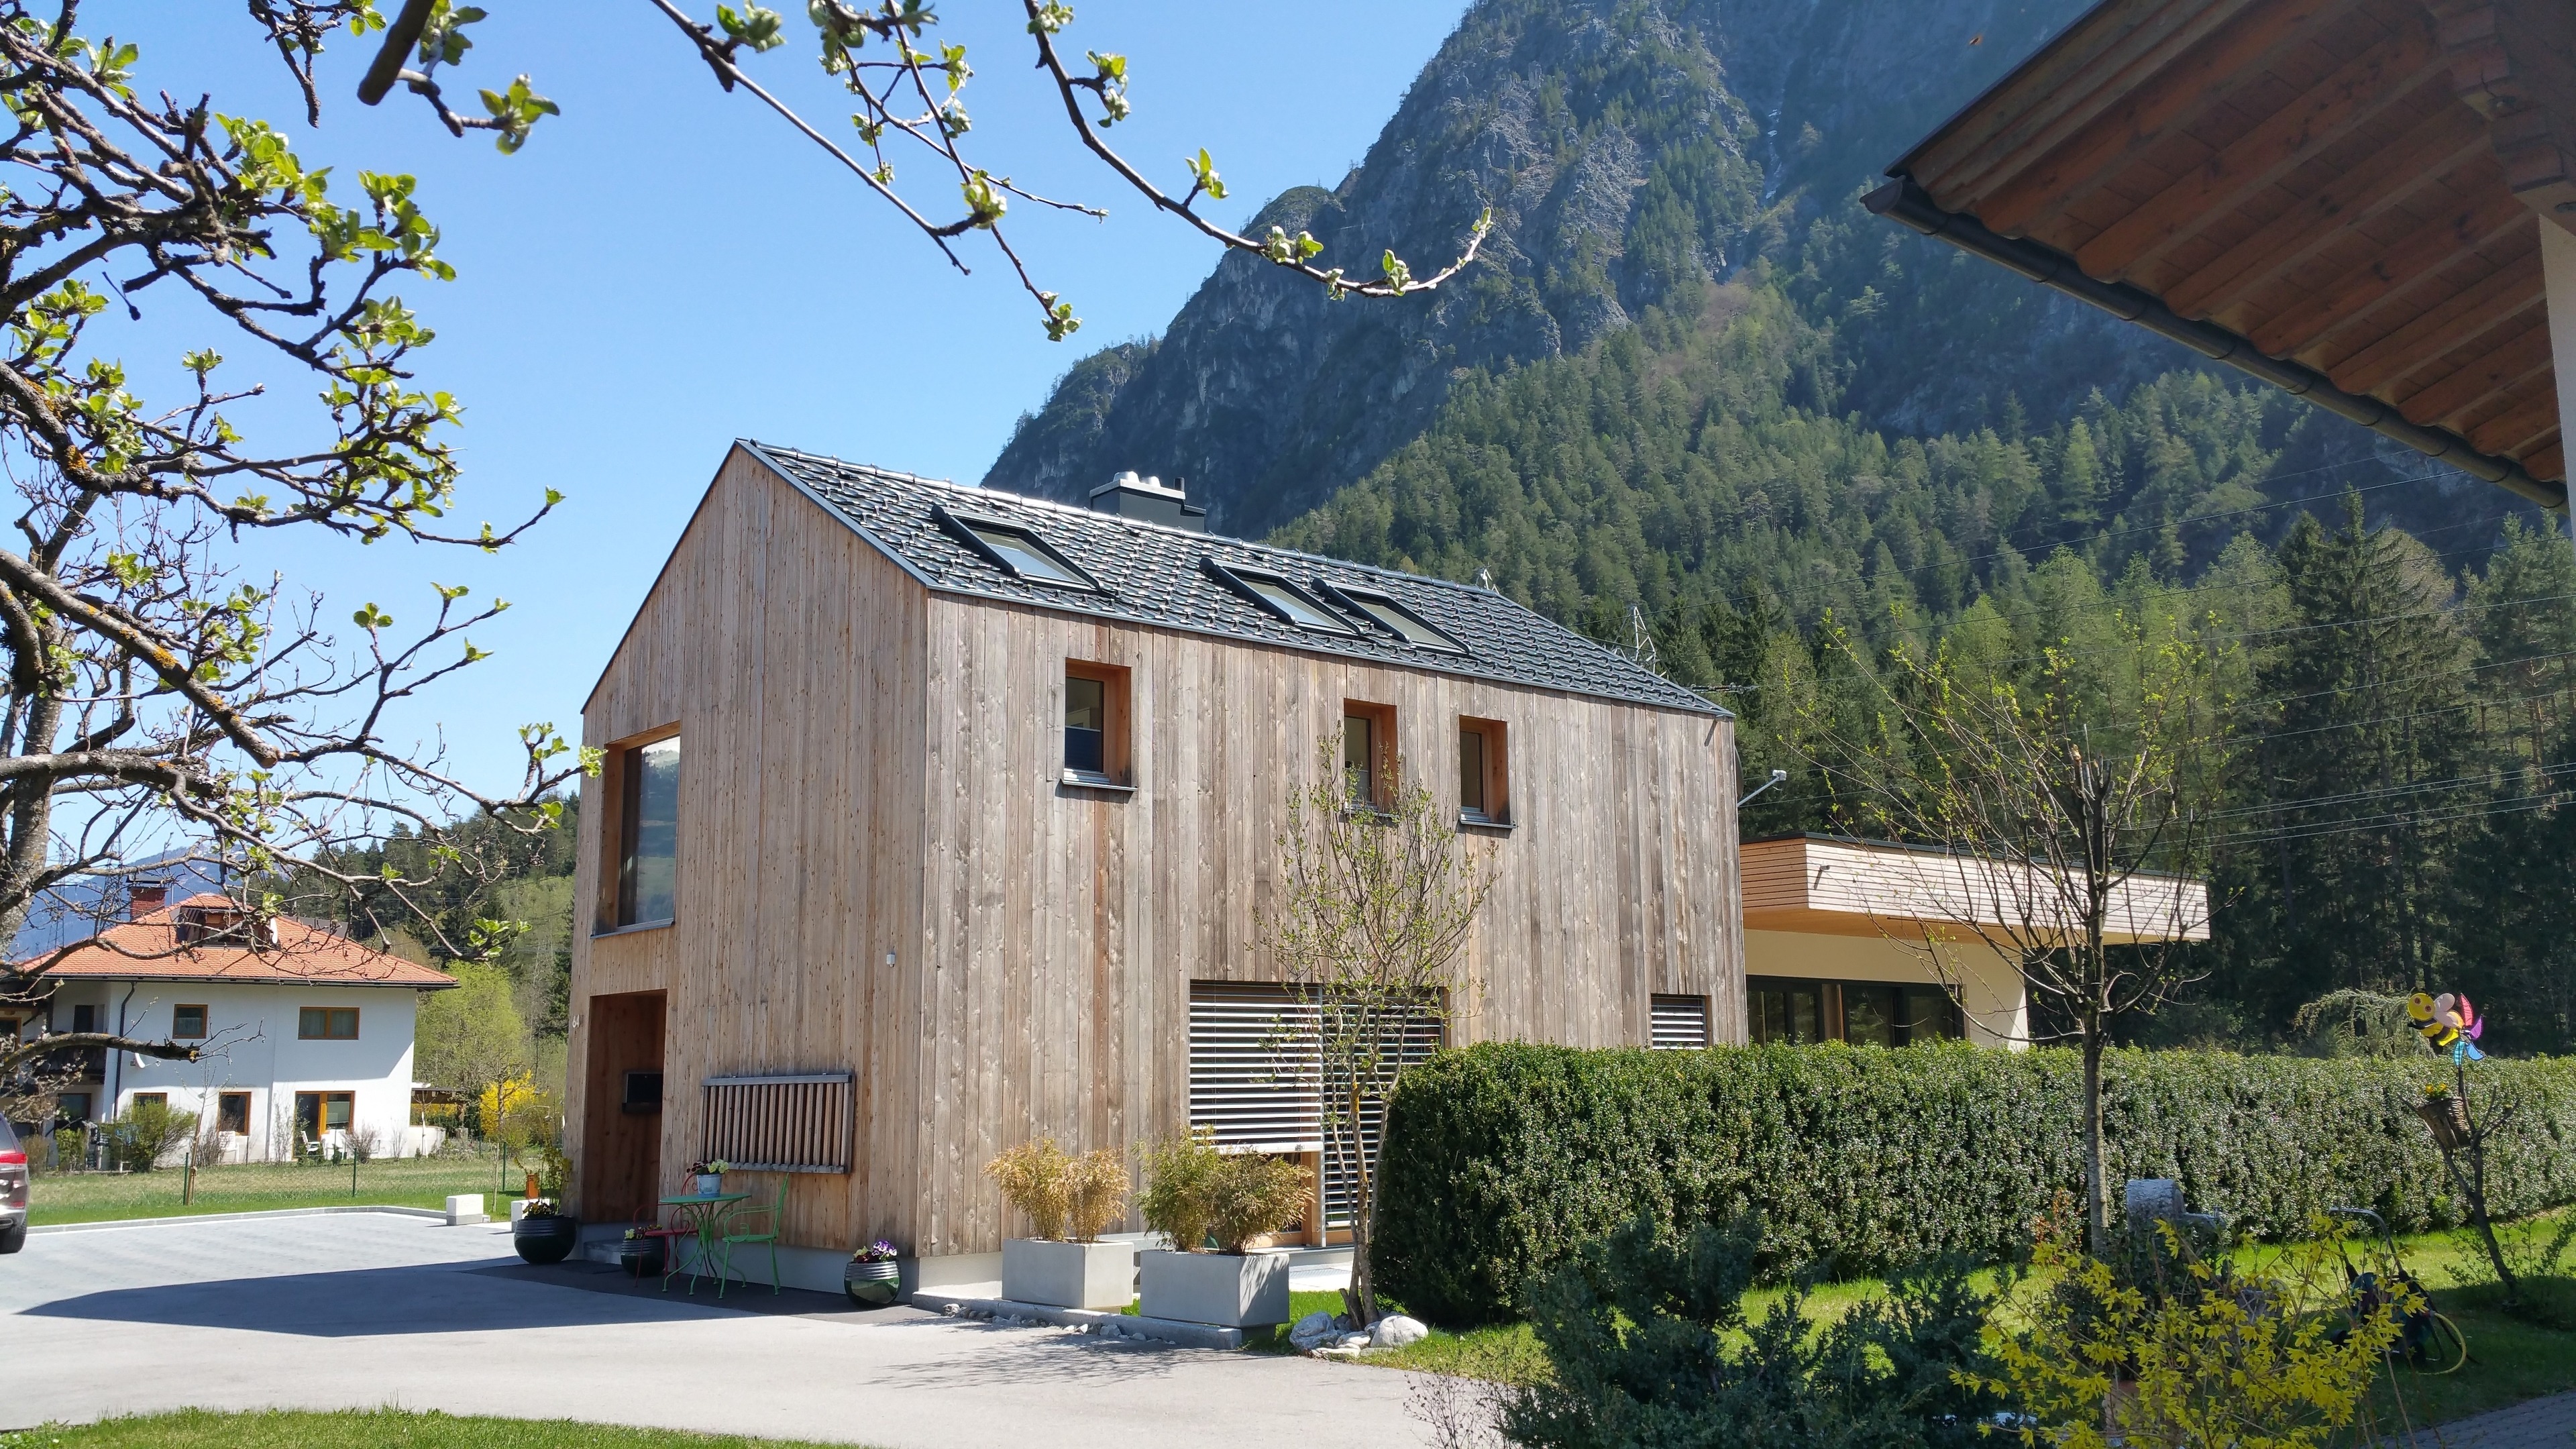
875,1275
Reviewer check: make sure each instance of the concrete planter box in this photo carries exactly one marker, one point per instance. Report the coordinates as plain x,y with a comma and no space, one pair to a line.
1068,1275
1249,1290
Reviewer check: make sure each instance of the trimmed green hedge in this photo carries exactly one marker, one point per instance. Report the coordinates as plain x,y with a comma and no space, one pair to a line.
1500,1158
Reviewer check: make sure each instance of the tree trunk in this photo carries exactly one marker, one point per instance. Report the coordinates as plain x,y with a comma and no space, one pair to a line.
2097,1185
1359,1299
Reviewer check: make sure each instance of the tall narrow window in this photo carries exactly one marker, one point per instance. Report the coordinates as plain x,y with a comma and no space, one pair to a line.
1095,725
1483,782
1359,757
649,827
232,1113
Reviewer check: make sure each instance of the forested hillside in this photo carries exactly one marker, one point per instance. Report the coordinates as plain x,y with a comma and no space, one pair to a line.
1698,401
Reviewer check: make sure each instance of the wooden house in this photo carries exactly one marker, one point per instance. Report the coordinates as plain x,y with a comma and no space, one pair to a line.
935,819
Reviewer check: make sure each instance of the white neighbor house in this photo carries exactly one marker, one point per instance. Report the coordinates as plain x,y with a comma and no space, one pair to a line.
308,1034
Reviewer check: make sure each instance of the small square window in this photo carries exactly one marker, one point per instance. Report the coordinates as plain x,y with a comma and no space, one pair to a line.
1484,776
1095,725
187,1023
327,1023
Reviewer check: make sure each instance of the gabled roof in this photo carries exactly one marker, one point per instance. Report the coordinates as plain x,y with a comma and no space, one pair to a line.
1151,574
147,949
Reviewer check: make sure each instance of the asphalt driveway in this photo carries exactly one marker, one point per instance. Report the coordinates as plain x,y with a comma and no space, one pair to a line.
358,1310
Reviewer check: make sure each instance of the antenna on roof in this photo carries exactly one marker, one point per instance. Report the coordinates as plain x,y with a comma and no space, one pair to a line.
1641,645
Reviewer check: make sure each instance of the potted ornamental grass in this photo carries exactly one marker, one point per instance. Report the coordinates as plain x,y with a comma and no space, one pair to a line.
875,1275
1214,1208
1067,1201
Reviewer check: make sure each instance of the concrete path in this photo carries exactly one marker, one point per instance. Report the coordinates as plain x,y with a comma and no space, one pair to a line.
364,1309
2548,1423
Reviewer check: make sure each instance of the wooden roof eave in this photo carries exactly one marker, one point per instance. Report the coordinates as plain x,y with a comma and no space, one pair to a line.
1902,200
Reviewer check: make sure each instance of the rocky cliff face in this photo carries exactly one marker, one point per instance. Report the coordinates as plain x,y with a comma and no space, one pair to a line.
1628,150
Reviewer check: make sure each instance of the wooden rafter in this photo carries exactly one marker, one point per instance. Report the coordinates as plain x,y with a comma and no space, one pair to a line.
2458,319
2514,62
2492,370
2427,253
2524,424
2400,174
2370,83
2170,99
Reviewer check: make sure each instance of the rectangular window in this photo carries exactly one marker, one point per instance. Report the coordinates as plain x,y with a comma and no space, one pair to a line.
187,1023
327,1023
1781,1010
232,1113
1680,1023
1368,753
319,1112
1864,1013
1015,551
1484,796
72,1106
649,833
1095,725
84,1018
152,1099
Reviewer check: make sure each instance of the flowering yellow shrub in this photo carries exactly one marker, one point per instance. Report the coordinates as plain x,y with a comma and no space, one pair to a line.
2203,1355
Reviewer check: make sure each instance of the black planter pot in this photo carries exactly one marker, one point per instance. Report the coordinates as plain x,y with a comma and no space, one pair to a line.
872,1285
641,1257
545,1240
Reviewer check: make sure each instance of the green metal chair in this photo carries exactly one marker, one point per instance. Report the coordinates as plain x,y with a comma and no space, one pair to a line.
776,1214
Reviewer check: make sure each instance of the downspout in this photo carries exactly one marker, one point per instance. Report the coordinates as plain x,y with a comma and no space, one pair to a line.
1903,200
116,1059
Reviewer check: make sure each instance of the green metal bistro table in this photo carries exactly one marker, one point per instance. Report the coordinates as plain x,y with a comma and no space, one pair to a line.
703,1213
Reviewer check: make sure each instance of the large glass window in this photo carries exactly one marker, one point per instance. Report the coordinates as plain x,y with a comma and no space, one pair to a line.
648,857
1864,1013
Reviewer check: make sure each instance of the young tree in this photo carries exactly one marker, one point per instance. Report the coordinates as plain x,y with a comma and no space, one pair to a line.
2061,804
162,706
1378,895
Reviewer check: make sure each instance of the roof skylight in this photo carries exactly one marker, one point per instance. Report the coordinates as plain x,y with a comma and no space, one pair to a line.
1278,596
1019,552
1393,617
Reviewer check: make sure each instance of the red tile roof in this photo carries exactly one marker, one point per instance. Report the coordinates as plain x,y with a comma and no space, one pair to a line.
147,949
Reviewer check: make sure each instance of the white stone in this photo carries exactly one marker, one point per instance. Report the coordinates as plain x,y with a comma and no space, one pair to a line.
1069,1275
1314,1331
1395,1331
1248,1290
464,1208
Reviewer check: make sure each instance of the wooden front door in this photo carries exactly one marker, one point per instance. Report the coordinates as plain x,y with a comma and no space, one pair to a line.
621,1144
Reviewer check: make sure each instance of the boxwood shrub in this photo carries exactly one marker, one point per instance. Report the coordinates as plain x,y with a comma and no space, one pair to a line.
1502,1157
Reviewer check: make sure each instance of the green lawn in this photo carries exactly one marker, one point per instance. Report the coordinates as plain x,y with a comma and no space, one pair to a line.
90,1197
2511,1357
361,1429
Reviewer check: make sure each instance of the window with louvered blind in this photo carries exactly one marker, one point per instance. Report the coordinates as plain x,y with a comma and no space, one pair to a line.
1252,1067
1256,1080
802,1122
1681,1023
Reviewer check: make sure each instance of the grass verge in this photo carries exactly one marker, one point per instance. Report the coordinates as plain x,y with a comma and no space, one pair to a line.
91,1197
361,1429
2512,1356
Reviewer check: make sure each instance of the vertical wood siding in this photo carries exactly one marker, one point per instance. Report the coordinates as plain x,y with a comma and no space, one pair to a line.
790,654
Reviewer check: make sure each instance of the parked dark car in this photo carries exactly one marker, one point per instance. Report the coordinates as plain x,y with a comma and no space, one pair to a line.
13,1190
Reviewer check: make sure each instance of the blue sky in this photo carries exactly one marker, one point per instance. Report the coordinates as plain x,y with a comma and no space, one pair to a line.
667,267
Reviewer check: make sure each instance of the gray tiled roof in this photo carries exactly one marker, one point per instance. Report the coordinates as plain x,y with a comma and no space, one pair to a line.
1152,575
